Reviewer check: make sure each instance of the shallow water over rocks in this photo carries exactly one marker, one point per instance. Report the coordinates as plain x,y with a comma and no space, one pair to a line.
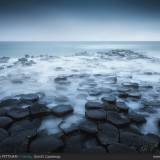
117,75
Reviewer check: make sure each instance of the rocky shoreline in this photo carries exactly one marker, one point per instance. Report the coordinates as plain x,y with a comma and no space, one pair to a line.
80,104
108,127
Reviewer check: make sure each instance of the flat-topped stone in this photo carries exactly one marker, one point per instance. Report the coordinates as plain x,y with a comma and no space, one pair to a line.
109,99
96,114
122,106
88,127
62,110
18,113
120,148
93,105
3,134
5,121
137,118
46,144
38,110
117,119
108,134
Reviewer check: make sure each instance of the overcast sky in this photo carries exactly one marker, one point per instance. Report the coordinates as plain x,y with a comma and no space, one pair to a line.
79,20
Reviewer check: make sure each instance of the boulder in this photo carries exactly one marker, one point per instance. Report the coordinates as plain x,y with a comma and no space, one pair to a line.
3,134
120,148
151,142
108,134
14,144
69,129
5,121
88,127
109,99
131,139
38,110
18,113
117,119
91,146
32,97
136,95
74,144
46,144
98,115
62,110
137,118
93,105
25,128
122,106
9,102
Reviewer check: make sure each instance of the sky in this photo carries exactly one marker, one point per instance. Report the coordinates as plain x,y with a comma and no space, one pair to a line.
79,20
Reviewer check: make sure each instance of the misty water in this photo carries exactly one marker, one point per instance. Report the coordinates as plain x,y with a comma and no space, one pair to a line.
77,72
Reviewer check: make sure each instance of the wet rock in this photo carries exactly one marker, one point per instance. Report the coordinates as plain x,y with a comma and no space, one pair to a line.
117,119
14,144
25,128
95,92
97,115
3,134
148,102
108,134
9,102
109,99
120,148
62,110
131,128
32,97
131,139
38,110
148,109
122,106
88,127
5,121
123,94
74,144
134,95
18,113
137,118
69,129
4,59
131,85
91,146
61,80
93,105
150,143
47,144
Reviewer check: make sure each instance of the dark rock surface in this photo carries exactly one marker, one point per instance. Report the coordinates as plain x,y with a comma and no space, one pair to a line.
121,148
88,127
96,114
117,119
25,128
109,99
18,113
108,134
38,110
93,105
74,144
5,121
14,144
9,102
46,144
137,118
3,134
62,110
122,106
